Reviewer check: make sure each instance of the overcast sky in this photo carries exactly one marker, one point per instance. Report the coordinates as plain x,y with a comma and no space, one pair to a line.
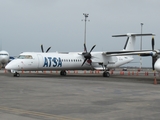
26,24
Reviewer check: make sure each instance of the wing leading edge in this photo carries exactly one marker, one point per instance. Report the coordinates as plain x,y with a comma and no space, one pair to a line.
138,52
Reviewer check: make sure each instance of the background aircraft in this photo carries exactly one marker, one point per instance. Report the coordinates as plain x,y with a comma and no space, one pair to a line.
62,61
4,58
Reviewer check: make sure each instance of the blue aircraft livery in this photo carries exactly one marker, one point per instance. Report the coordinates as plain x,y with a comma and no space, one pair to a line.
52,62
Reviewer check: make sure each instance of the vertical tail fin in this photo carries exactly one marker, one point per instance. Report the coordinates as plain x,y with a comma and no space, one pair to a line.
130,43
131,39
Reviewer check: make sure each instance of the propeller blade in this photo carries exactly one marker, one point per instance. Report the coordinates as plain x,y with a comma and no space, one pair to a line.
154,58
153,61
145,55
152,43
84,62
42,48
92,48
48,49
85,48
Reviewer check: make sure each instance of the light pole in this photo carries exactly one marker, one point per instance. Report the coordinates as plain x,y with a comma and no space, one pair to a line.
141,46
85,15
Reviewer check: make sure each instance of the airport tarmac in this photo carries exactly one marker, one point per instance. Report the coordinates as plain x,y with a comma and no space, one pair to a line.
40,96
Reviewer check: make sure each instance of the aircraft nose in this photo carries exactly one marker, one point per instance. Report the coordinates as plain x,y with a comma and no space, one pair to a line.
3,59
13,65
8,66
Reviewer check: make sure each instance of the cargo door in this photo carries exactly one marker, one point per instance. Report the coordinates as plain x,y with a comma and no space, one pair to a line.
40,61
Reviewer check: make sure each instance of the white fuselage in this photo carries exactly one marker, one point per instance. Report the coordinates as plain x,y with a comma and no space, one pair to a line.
4,57
29,61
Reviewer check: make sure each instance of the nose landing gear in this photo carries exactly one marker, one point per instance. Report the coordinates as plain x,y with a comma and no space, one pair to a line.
16,74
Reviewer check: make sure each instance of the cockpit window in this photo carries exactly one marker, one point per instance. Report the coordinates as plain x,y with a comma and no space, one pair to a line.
4,54
25,57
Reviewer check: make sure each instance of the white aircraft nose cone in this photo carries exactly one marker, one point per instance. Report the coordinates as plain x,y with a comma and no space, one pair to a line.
8,67
13,65
3,60
157,65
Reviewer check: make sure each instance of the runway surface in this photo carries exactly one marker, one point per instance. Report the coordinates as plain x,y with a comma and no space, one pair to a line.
78,97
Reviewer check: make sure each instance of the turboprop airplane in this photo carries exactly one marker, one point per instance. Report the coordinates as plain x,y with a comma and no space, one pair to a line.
4,58
63,61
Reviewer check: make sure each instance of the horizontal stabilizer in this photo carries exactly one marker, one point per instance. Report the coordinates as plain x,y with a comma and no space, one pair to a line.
133,34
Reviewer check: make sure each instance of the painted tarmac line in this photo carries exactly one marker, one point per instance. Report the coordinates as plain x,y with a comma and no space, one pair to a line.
39,114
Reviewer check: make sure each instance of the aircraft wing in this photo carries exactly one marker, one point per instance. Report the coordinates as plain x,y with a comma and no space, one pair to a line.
138,52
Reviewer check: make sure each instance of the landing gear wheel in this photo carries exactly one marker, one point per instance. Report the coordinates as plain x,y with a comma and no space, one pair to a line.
63,73
106,74
16,74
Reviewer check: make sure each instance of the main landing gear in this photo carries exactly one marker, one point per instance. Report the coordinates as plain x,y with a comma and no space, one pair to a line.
106,74
16,74
63,73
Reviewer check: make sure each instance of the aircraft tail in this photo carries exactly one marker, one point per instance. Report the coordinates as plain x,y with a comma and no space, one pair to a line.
131,38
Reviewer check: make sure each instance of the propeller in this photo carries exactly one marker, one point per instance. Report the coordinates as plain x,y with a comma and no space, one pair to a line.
87,55
154,53
43,49
154,57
